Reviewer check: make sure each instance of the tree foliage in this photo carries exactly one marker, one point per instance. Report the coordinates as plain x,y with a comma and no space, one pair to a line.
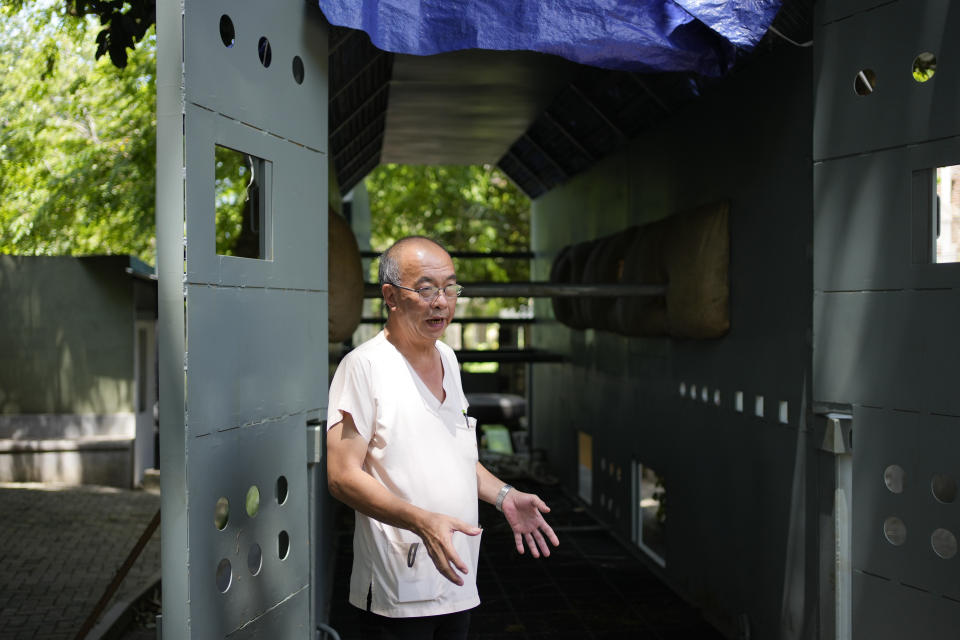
77,138
123,23
465,208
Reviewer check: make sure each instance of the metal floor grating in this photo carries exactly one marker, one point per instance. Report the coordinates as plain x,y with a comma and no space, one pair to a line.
591,587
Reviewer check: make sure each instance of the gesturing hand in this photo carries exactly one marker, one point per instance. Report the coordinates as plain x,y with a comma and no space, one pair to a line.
524,514
437,535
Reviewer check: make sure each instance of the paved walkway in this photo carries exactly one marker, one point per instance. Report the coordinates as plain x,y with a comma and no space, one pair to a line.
59,549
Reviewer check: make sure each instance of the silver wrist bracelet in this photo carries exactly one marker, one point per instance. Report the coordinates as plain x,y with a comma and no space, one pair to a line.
504,490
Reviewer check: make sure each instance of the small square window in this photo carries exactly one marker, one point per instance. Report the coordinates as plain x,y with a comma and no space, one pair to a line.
948,227
241,195
936,215
650,512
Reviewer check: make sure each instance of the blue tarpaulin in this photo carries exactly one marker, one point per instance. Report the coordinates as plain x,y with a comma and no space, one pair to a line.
635,35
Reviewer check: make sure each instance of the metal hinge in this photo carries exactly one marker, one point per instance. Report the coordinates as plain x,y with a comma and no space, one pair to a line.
315,430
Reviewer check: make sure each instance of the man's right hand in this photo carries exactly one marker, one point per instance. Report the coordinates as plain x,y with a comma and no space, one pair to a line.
436,531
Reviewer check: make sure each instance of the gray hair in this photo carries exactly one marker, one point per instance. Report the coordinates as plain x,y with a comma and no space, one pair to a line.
389,270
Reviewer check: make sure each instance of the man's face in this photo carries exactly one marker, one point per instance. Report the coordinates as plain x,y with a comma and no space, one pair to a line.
422,264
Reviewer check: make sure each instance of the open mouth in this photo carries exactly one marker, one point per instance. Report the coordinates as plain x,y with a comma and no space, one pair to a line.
436,323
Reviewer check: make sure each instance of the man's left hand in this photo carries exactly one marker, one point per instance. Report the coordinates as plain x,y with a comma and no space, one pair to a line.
524,513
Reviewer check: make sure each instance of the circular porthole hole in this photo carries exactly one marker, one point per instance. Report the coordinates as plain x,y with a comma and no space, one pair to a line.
283,545
221,513
253,501
944,487
893,477
944,543
683,389
865,82
227,33
297,70
282,489
716,397
224,576
924,67
894,531
254,559
263,50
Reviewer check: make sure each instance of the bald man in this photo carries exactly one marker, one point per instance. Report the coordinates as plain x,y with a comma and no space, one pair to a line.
402,452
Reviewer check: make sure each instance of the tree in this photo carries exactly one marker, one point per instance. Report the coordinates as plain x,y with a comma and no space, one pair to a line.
77,139
465,208
123,23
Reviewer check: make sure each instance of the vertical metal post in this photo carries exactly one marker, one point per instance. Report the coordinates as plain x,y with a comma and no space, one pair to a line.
837,439
316,429
171,328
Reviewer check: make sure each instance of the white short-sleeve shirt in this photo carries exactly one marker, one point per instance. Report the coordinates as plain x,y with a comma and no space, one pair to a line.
425,452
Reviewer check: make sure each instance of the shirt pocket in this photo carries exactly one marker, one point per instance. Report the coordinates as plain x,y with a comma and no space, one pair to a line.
466,438
408,573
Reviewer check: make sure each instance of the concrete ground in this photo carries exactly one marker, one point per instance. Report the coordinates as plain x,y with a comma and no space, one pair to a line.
59,549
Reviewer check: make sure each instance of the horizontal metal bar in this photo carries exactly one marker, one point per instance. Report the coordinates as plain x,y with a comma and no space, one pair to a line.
510,355
494,320
517,255
501,355
468,320
545,290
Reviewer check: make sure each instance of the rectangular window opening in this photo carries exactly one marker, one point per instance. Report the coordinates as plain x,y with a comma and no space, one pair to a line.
947,223
585,466
650,512
242,185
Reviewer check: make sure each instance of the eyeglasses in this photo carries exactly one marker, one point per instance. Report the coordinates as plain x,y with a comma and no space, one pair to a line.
430,293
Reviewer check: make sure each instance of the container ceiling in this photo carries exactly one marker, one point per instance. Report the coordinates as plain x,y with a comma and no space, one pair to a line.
540,118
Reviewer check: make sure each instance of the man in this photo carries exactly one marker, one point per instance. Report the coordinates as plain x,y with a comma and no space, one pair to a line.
402,451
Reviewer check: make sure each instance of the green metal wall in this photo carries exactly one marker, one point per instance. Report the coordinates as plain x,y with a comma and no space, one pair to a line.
741,536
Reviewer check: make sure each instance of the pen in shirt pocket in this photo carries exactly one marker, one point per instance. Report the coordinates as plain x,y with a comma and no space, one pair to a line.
466,419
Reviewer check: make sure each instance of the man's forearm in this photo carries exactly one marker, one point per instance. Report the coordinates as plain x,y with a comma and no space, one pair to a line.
360,491
488,485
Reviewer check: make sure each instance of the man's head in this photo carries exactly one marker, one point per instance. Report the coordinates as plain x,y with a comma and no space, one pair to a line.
413,274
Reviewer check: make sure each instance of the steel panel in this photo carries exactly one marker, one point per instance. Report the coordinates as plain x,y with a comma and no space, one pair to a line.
885,609
891,349
861,355
900,111
298,202
286,620
727,473
243,352
232,80
864,222
245,347
232,463
922,445
840,9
